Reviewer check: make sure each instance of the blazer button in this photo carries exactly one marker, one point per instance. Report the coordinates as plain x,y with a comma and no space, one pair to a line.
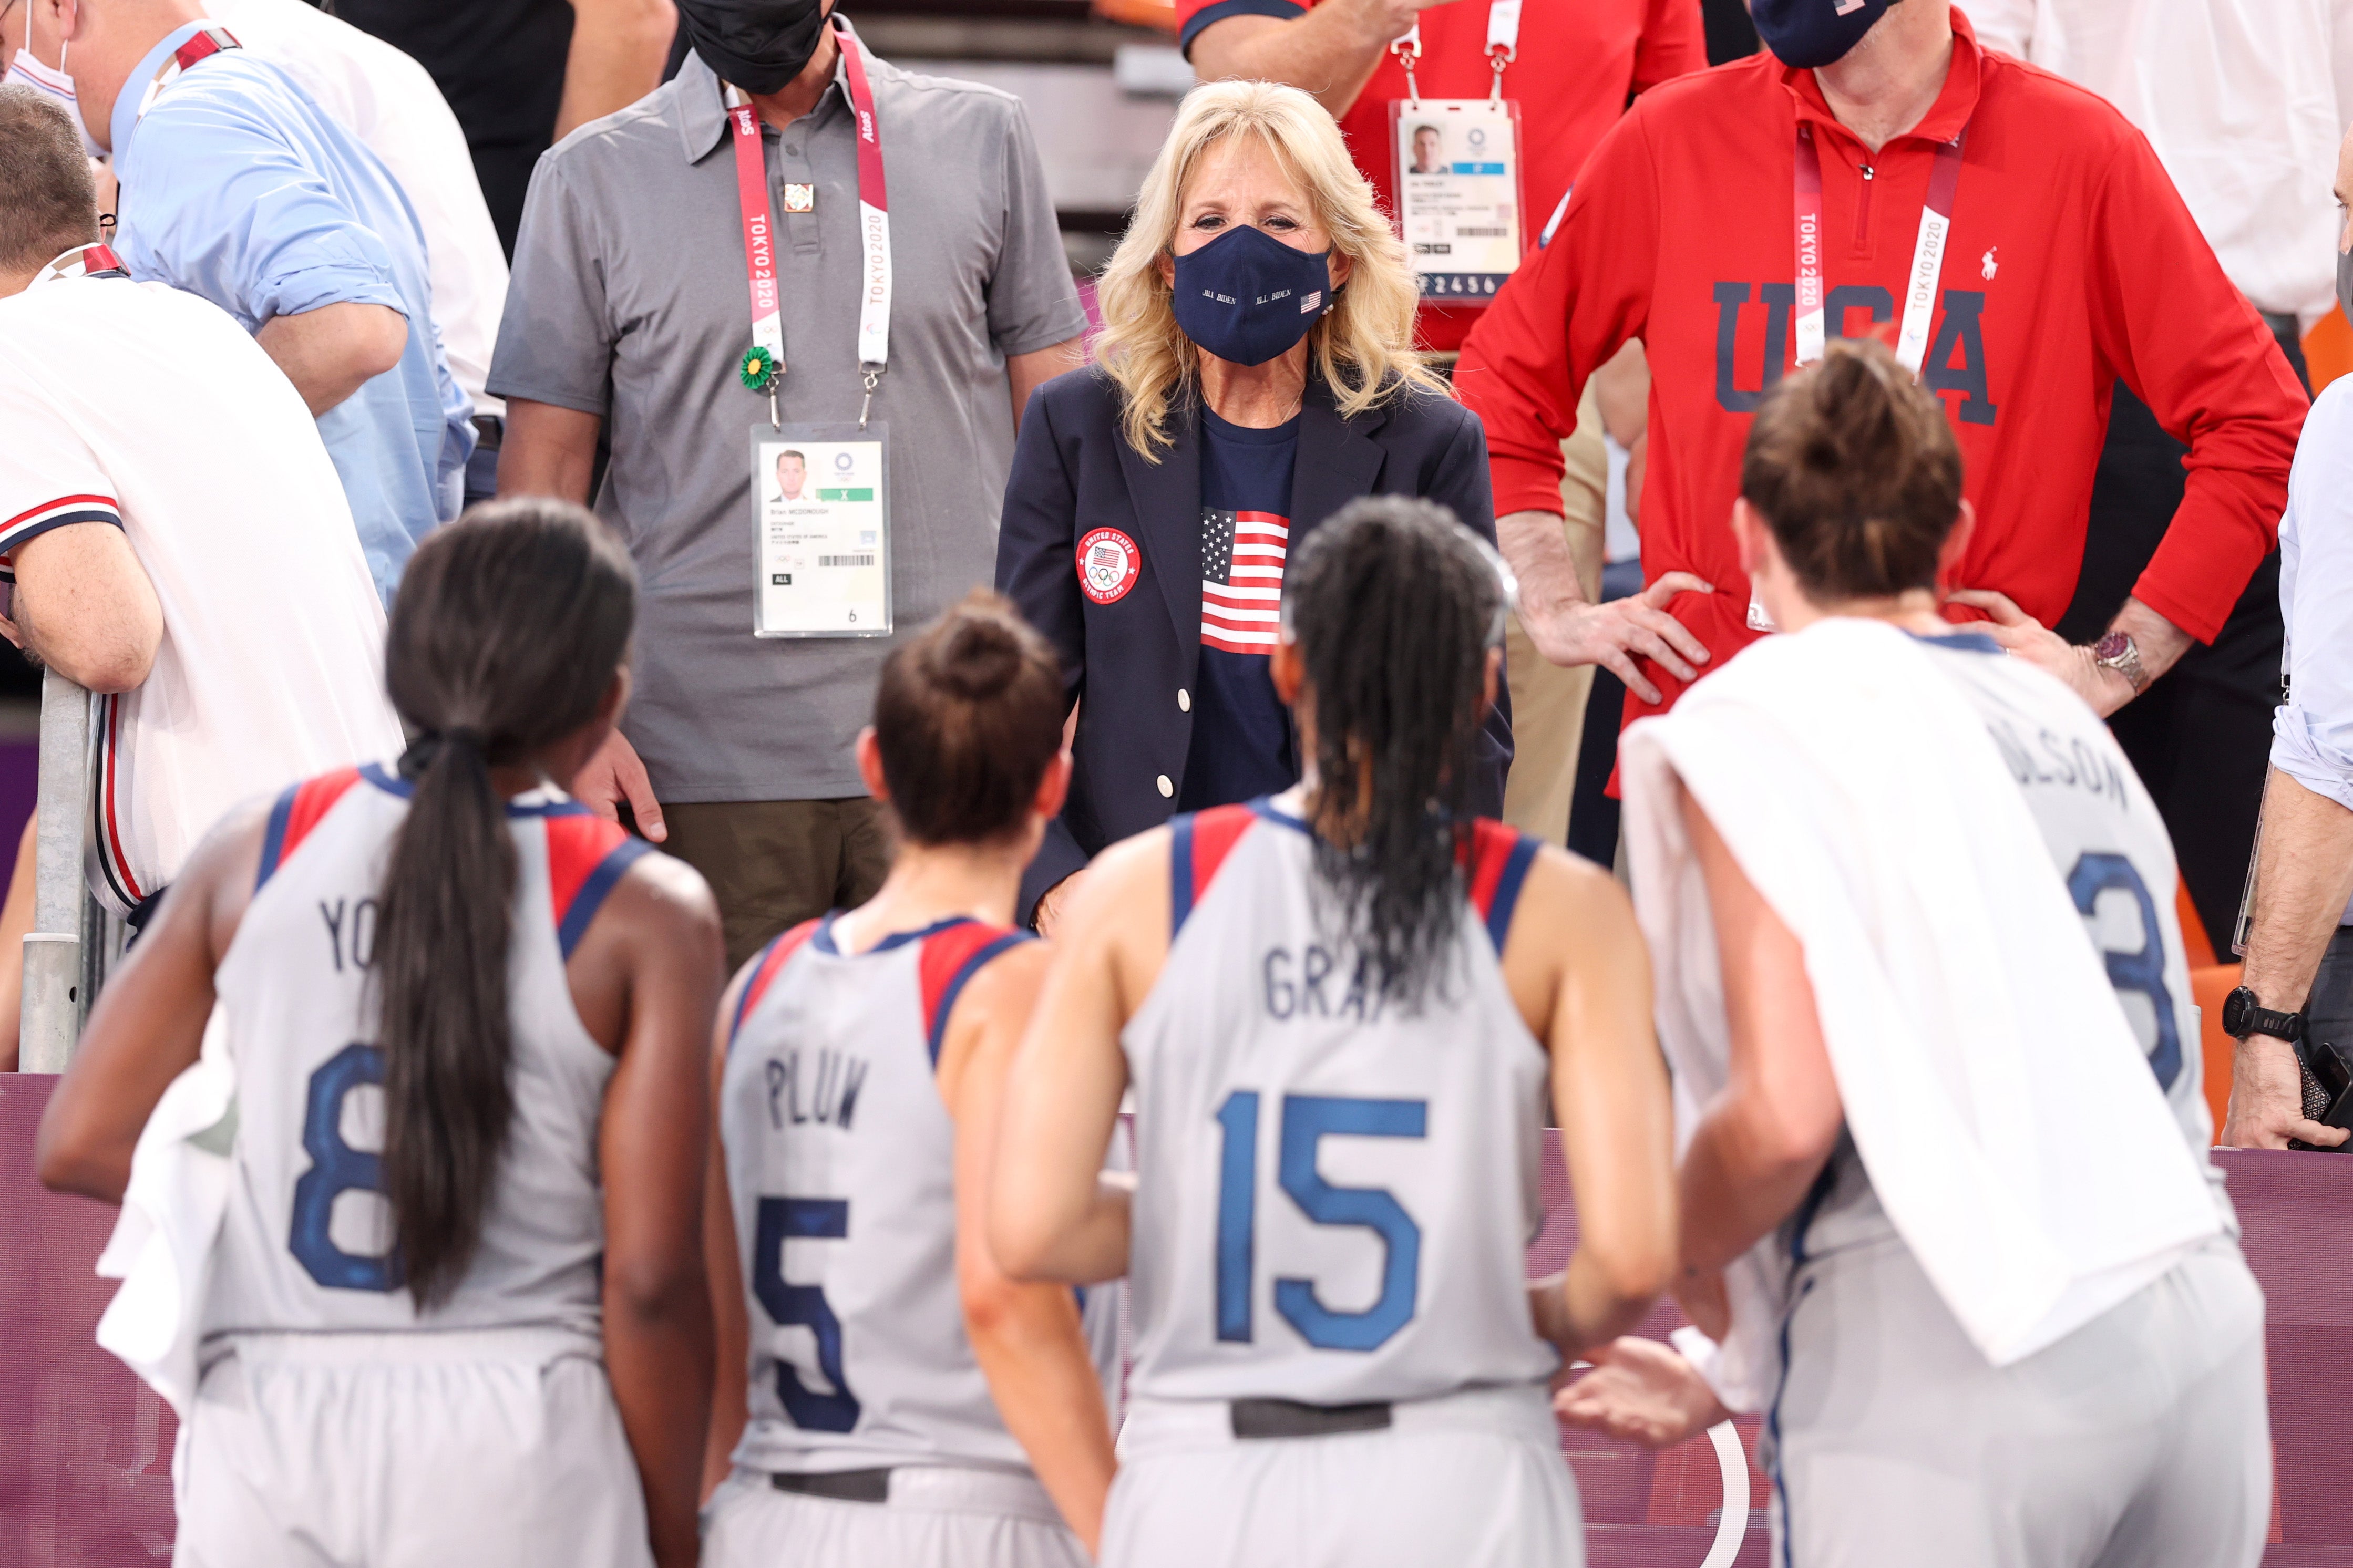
1166,789
1184,701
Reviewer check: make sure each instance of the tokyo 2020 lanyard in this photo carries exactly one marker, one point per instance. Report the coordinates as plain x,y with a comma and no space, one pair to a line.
762,364
1502,48
205,43
1927,250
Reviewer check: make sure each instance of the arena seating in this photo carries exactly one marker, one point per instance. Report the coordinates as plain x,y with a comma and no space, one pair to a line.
85,1473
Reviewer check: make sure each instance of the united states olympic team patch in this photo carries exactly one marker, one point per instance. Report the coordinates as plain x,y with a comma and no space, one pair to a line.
1108,563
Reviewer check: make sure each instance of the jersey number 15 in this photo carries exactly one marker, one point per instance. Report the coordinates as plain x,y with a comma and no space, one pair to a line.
1307,1120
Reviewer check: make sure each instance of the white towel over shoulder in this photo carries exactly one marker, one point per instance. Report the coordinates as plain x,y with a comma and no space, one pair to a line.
1993,1087
161,1248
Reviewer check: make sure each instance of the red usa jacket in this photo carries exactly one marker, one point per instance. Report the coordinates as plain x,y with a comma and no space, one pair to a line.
2071,263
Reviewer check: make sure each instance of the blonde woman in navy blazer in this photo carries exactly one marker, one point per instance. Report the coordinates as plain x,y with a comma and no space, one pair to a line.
1156,493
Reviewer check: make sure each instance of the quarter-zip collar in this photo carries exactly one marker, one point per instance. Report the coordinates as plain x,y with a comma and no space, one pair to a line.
1944,120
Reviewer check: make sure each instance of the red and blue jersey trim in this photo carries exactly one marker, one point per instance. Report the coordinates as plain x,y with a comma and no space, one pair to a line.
765,969
952,956
33,521
586,857
1198,844
1496,861
296,812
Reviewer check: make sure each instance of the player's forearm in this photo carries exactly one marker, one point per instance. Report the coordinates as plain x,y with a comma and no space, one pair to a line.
1590,1304
1330,52
618,49
1032,1349
1082,1241
1740,1178
2304,875
657,1351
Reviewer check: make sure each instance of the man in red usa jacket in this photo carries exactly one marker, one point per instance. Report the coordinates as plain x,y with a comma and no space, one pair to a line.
2014,237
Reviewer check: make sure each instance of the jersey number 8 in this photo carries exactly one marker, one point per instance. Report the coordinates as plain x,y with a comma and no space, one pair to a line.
1307,1119
337,1168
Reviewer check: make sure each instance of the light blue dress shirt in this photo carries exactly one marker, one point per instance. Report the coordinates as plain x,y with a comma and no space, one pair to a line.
2312,733
237,187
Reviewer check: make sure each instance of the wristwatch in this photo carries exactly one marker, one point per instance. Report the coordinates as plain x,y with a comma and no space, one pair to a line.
2118,652
2242,1018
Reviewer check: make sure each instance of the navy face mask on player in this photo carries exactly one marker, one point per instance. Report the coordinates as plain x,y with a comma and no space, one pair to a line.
1803,34
1246,297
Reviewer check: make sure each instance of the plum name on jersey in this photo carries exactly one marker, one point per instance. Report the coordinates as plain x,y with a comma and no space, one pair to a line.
1315,983
825,1093
2067,761
351,930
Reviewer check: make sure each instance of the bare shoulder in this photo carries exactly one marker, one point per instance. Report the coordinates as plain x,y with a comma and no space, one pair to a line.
1569,909
660,893
1573,887
1128,878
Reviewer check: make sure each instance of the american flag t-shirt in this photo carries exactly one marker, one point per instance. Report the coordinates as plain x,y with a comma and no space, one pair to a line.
1242,555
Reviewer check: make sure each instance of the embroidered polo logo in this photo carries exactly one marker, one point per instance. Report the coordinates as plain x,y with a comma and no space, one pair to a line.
1108,564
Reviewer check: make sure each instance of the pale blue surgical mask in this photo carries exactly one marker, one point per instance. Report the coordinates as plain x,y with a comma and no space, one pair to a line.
53,83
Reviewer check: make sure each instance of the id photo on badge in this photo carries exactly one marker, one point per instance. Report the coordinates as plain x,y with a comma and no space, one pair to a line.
822,538
1458,194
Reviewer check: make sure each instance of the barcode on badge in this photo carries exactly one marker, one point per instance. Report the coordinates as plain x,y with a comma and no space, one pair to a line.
845,560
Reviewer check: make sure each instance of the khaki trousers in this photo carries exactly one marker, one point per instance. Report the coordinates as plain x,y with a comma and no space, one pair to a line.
773,864
1547,701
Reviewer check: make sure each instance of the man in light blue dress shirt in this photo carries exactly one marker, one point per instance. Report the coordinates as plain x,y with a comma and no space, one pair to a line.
237,187
2299,944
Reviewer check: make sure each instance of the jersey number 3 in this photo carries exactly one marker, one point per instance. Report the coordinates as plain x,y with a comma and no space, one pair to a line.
782,1220
337,1168
1307,1119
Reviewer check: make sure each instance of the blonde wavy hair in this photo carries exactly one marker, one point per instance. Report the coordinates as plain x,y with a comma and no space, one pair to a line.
1362,346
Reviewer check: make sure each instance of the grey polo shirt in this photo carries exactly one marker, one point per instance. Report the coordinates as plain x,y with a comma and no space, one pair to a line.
629,301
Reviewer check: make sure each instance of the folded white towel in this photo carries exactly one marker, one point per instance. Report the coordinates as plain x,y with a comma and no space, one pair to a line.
162,1247
2003,1108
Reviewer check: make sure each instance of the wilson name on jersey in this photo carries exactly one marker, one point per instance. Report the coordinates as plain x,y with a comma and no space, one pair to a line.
2109,846
307,1240
841,1170
1335,1184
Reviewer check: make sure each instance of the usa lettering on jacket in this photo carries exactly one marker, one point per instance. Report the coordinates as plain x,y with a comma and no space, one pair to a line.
1957,353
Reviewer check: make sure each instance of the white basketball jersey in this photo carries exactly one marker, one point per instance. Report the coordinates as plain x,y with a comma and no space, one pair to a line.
2110,848
841,1168
307,1240
1336,1187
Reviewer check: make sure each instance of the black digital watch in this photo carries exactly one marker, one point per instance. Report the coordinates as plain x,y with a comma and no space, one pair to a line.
2242,1018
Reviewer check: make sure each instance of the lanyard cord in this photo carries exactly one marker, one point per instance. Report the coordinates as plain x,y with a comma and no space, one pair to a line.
1927,249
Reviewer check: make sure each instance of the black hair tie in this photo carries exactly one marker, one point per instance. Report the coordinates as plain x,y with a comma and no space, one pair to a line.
426,749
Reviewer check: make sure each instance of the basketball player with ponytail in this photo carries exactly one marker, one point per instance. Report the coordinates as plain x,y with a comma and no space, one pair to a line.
456,1310
906,1402
1340,1010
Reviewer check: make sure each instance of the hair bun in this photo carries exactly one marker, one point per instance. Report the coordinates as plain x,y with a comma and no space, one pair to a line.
980,656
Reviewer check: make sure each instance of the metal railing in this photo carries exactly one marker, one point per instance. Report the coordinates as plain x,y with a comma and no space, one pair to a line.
73,939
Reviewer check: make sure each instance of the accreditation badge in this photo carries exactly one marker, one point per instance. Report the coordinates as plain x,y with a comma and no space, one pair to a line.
1458,194
821,530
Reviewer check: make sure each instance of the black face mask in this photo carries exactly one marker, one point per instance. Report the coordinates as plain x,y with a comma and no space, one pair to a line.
756,45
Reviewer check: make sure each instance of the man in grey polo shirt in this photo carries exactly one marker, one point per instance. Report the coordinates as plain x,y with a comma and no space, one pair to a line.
630,309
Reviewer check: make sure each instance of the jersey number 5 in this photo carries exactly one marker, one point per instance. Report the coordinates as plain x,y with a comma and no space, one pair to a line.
337,1168
782,1220
1307,1119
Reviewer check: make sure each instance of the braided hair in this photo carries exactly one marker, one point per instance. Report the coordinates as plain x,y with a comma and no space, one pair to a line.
1394,606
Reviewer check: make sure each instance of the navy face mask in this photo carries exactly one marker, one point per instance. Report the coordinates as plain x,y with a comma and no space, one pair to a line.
1803,34
1246,297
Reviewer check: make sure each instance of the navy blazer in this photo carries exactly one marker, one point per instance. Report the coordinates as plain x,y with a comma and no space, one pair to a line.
1130,665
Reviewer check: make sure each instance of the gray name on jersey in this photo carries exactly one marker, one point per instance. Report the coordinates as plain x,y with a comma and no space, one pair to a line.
2066,761
827,1096
356,939
1314,982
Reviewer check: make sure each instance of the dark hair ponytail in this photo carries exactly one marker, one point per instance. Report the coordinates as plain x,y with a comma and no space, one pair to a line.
505,636
1394,607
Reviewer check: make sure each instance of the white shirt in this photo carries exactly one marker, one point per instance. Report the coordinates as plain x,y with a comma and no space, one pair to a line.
387,100
135,404
2244,101
2312,732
